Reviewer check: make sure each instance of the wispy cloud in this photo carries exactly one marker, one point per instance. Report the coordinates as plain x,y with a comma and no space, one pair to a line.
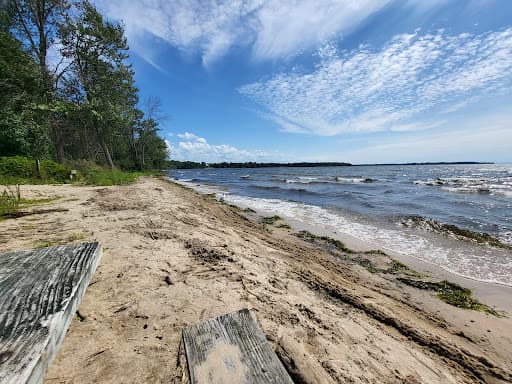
392,88
274,29
195,148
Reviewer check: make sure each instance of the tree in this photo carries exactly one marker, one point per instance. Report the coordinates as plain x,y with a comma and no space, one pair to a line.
20,129
148,128
86,104
103,84
35,22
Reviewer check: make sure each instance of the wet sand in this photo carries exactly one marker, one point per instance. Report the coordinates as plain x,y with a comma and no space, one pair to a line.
173,257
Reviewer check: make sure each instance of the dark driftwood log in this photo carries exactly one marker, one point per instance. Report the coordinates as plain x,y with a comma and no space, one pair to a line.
40,291
231,349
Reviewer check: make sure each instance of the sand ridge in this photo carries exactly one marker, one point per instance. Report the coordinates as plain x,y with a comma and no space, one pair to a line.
173,258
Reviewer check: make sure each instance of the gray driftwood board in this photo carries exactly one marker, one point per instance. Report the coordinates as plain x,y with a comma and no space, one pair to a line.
231,349
40,290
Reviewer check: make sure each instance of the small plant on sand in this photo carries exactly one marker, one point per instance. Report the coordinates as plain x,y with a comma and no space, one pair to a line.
10,201
76,236
270,220
44,244
284,225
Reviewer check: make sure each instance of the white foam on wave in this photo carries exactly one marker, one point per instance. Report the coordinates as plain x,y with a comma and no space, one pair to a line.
471,184
340,179
478,263
201,188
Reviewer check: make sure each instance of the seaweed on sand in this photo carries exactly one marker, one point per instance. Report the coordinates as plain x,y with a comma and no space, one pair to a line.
452,294
270,220
334,243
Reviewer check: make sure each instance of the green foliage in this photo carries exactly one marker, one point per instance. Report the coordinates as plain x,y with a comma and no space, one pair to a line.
107,177
9,202
90,111
175,164
54,171
21,170
21,132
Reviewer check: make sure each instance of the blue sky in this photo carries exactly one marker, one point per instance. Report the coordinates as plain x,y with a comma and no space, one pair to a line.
362,81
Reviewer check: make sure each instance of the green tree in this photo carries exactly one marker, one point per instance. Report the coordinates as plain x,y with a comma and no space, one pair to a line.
102,82
20,129
35,23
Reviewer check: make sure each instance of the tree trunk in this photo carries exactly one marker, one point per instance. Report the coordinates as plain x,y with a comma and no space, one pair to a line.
107,154
57,139
38,168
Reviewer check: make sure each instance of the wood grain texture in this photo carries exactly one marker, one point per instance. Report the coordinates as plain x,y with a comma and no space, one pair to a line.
231,349
40,290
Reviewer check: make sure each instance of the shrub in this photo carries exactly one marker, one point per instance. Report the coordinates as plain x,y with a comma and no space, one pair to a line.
54,171
22,170
9,202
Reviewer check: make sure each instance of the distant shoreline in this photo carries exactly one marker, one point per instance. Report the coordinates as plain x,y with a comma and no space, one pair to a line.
174,164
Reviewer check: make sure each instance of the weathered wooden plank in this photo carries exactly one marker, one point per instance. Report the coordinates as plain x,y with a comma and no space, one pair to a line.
231,349
40,291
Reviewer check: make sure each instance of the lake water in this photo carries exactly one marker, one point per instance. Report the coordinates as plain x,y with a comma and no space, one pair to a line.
396,208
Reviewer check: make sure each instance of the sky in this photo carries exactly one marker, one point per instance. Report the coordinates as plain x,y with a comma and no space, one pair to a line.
359,81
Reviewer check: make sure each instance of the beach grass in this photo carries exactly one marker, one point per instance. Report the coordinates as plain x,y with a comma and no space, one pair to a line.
9,202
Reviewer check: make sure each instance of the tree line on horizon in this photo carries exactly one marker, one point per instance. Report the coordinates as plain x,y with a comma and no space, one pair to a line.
175,164
67,91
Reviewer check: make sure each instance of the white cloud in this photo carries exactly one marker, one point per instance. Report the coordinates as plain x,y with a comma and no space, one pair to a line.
195,148
274,29
393,88
187,136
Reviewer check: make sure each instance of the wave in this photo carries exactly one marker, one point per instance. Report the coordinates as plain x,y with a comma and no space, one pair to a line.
305,181
354,180
329,180
471,184
452,231
277,188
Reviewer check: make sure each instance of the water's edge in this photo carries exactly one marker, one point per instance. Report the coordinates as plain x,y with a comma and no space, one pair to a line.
432,251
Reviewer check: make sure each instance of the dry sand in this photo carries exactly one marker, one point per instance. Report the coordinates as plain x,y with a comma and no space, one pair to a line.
173,257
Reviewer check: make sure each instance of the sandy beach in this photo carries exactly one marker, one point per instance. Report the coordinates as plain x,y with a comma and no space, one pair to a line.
173,257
